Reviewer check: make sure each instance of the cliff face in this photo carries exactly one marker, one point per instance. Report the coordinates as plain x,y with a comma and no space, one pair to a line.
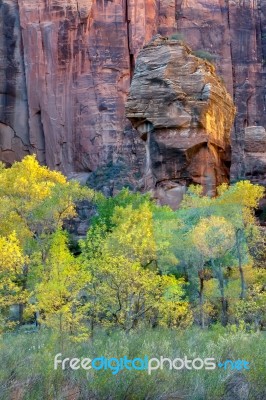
235,31
66,65
184,114
14,133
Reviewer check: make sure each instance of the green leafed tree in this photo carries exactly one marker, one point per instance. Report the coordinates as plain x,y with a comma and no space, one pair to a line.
58,295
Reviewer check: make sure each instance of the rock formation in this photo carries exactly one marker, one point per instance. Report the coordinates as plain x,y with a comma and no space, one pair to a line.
183,112
255,154
14,134
66,65
237,387
235,32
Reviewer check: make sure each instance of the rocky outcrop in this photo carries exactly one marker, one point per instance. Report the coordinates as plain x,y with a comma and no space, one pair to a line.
255,154
66,65
237,387
183,112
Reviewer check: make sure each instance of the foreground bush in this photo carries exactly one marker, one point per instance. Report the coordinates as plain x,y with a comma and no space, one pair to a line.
29,373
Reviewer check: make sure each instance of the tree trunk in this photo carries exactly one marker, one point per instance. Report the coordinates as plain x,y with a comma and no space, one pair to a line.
20,313
201,299
23,287
224,317
240,265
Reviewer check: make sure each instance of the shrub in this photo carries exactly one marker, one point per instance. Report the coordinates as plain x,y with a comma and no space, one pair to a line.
32,367
205,55
177,36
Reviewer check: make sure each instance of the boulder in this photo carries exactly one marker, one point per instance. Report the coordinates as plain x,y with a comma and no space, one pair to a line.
184,114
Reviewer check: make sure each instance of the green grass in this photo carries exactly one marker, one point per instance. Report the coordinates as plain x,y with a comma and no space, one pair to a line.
27,365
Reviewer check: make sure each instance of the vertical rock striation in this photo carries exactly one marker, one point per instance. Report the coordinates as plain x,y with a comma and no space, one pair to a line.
234,32
14,138
66,66
77,73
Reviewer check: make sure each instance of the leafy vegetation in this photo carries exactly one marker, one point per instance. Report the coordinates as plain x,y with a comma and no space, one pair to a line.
177,36
141,268
39,380
205,55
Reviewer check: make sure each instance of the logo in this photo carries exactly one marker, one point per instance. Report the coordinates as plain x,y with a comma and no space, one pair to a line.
146,364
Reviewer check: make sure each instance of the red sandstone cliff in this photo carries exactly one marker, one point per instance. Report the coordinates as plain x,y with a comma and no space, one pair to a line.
65,69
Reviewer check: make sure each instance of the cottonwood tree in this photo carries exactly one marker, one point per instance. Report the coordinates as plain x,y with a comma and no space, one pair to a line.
126,287
34,202
214,237
58,295
238,204
12,263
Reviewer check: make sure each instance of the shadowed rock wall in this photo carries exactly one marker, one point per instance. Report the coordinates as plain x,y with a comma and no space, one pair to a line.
66,65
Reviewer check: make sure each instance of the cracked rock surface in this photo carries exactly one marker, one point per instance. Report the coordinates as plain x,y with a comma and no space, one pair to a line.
66,66
184,114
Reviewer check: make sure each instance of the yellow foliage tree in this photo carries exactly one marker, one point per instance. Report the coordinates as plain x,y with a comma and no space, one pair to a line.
126,288
239,203
35,200
133,236
12,263
59,293
214,237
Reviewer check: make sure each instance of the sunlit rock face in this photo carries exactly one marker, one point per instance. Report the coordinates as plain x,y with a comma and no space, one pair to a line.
183,112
